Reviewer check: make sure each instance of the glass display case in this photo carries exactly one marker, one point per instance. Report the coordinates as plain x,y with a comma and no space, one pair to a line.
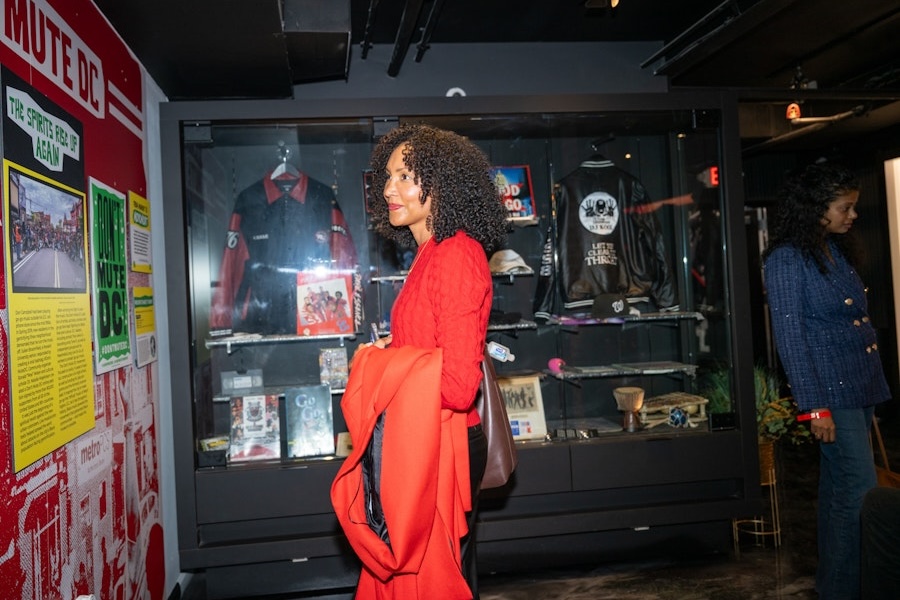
285,267
614,309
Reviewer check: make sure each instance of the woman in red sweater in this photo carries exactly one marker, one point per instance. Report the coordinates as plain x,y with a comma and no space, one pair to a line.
439,198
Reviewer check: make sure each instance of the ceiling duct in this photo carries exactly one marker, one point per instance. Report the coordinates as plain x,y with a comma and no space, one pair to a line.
317,39
408,21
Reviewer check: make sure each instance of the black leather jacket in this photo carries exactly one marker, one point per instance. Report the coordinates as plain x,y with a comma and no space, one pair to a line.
609,241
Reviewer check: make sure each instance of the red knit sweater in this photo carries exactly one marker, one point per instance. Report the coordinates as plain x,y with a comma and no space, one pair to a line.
445,303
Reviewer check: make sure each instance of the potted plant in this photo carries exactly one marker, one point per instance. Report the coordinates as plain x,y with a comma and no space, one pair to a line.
776,418
776,414
715,386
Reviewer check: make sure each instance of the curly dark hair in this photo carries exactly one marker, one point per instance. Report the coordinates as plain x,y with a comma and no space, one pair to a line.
802,202
455,173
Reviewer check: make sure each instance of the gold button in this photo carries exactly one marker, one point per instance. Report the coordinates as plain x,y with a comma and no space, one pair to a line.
856,322
868,349
874,346
848,301
865,319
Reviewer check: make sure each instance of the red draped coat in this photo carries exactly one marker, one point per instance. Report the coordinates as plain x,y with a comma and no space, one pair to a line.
424,478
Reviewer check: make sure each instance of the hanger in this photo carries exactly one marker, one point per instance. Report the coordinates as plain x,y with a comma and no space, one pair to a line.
284,167
599,142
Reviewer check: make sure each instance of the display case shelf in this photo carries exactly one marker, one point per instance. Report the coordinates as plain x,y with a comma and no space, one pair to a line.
624,370
279,391
585,319
263,340
522,325
401,277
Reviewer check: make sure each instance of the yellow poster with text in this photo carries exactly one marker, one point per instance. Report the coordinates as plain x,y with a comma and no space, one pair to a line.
51,375
144,326
139,234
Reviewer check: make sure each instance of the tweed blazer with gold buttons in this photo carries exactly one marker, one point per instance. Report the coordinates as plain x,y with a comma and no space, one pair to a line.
825,339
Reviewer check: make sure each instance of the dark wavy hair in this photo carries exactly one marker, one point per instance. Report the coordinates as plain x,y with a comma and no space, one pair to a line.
455,173
802,202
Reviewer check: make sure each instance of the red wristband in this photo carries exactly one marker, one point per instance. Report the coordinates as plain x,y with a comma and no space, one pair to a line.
819,414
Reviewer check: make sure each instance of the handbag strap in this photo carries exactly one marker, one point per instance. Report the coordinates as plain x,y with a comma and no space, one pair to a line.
877,431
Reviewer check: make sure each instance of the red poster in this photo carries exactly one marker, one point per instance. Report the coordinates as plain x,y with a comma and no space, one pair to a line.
87,517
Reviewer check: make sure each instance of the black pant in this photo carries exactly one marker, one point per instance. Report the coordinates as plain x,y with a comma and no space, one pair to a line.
880,518
477,461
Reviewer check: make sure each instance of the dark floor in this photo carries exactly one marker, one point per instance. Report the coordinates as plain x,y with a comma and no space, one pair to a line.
756,572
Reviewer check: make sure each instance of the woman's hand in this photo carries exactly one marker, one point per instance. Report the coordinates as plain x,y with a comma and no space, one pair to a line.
822,428
381,343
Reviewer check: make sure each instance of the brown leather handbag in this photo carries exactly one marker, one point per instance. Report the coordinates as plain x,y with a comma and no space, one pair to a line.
501,447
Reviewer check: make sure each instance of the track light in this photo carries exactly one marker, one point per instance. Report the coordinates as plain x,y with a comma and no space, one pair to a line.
601,3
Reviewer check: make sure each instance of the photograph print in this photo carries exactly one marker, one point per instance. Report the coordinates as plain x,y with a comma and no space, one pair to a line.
45,236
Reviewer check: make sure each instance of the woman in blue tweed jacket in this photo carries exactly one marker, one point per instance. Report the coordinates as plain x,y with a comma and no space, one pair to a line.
829,350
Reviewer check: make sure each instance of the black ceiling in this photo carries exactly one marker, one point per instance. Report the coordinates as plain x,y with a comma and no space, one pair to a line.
848,52
240,48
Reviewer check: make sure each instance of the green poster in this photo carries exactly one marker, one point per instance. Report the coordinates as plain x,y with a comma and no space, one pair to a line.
109,274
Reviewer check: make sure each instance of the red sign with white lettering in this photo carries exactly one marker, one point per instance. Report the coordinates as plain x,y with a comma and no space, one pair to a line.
86,517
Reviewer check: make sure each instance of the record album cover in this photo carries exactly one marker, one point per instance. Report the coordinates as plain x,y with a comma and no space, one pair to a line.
310,423
325,303
524,406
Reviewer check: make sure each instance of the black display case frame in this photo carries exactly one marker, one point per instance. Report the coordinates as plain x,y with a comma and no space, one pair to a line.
576,500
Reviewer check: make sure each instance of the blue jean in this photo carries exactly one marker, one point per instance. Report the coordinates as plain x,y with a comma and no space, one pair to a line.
846,473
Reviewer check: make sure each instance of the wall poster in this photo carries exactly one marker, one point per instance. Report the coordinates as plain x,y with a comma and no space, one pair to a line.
144,326
109,276
139,233
52,385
